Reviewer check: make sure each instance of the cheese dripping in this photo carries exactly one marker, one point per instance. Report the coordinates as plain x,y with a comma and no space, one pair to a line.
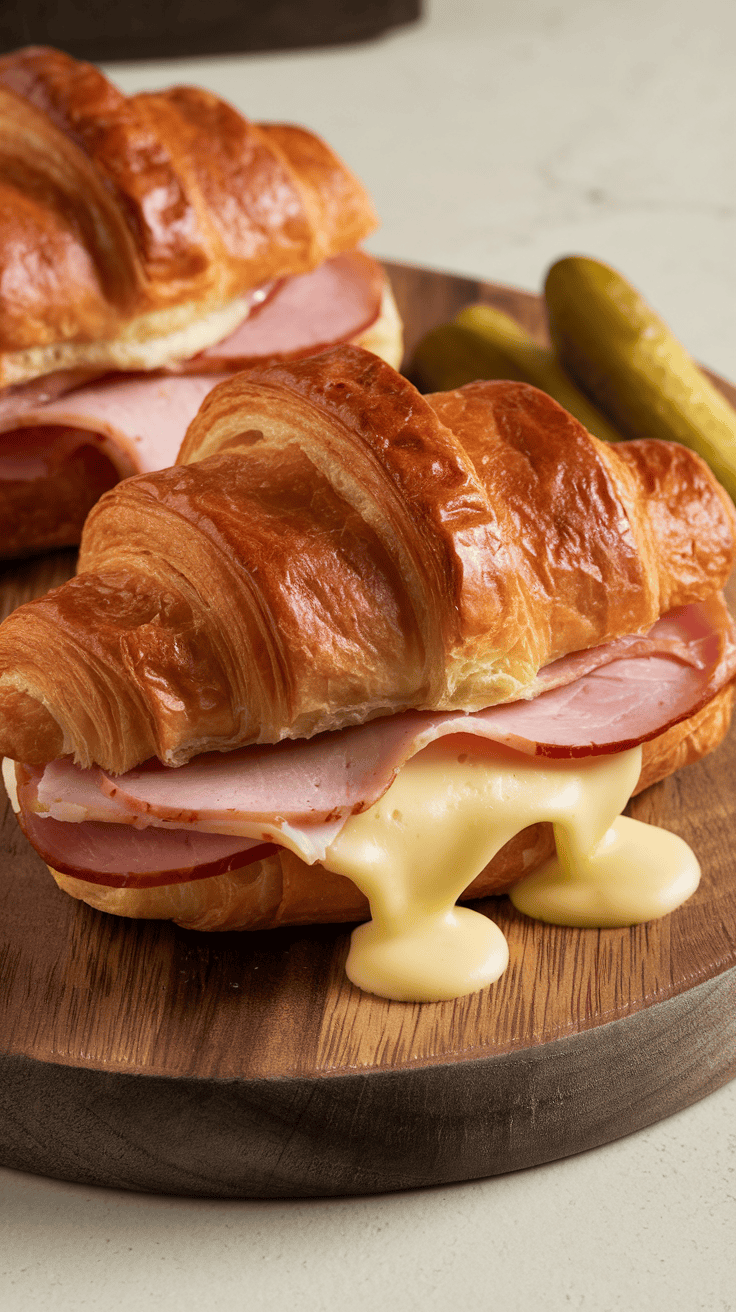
441,821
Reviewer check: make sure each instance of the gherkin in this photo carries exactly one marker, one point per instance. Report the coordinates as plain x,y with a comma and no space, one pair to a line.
624,356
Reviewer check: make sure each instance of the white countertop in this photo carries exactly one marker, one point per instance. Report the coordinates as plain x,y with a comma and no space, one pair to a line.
494,137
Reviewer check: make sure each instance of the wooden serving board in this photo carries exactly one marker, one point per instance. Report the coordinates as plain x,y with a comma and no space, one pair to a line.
245,1065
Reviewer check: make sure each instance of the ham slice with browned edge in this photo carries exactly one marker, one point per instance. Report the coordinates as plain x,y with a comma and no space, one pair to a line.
137,858
299,793
57,456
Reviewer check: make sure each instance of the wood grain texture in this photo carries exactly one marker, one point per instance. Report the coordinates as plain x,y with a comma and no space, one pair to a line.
245,1065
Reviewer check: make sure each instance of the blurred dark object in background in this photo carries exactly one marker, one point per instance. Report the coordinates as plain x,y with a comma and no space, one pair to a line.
102,30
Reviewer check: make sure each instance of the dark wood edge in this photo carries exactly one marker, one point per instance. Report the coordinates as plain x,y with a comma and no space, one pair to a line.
442,294
368,1133
461,280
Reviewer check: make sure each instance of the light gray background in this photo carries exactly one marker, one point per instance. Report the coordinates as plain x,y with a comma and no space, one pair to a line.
494,137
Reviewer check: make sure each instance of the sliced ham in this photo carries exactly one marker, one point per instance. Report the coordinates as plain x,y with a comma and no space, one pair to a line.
125,857
63,792
334,303
14,400
56,460
666,638
138,423
299,793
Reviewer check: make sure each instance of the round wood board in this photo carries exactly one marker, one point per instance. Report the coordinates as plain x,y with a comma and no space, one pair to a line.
143,1056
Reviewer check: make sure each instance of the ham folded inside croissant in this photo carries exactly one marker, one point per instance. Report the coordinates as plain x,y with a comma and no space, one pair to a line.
333,547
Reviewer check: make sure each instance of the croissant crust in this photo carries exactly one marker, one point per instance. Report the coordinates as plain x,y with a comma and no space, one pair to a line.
334,546
129,219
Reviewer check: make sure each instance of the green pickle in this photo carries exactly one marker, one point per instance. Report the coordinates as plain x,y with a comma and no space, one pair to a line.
483,342
624,356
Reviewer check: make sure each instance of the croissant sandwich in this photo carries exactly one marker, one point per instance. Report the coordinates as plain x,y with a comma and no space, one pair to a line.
364,647
161,231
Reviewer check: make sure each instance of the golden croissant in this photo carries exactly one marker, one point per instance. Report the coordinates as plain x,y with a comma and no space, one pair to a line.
333,547
135,228
155,232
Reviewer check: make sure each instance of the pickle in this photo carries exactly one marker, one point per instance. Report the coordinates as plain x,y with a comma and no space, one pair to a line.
624,356
482,342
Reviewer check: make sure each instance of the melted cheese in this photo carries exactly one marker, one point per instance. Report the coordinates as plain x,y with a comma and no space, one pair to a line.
442,820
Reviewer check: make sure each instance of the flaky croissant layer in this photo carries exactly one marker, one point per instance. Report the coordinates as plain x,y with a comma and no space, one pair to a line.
332,546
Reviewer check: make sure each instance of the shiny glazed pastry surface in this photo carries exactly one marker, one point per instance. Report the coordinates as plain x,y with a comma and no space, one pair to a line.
152,212
340,548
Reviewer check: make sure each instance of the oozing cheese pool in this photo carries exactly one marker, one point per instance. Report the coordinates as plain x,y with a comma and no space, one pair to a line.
442,820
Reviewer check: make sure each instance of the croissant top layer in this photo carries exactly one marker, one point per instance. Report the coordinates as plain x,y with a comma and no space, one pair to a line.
333,546
128,219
